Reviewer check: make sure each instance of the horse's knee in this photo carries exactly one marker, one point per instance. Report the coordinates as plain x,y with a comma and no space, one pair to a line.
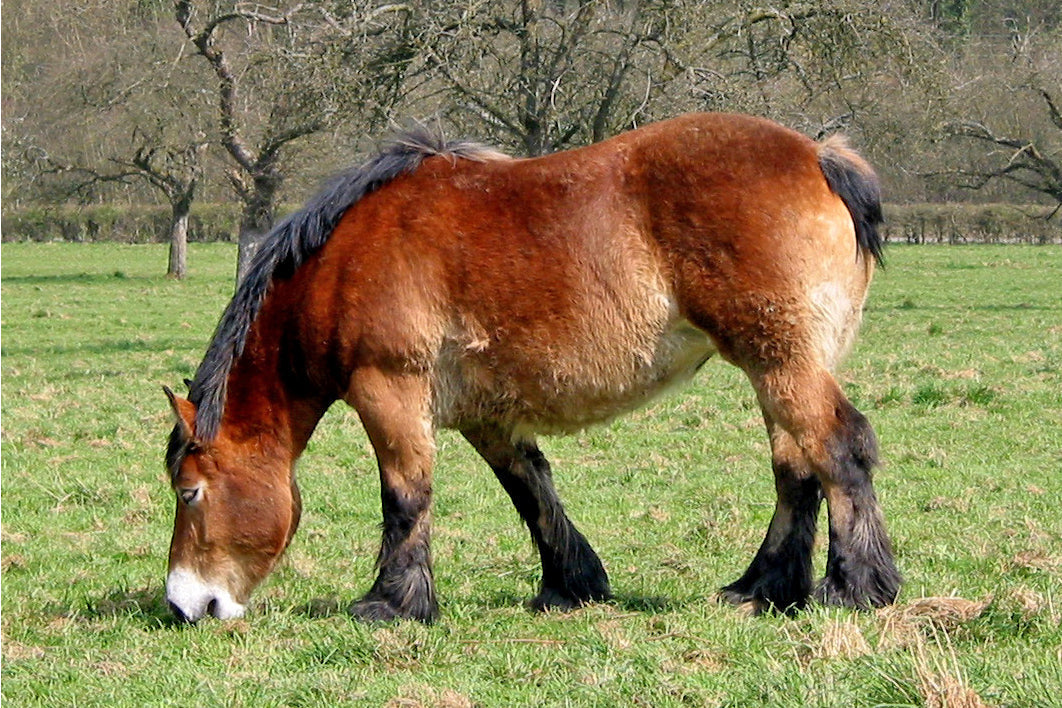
827,436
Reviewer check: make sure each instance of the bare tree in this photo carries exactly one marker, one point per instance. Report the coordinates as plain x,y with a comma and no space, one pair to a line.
544,75
119,115
177,173
288,73
174,171
1011,114
256,174
1021,160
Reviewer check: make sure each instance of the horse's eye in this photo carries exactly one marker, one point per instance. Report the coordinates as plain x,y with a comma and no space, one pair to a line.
189,495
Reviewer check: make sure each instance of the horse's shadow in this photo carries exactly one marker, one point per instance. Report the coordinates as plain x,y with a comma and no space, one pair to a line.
323,607
646,604
334,606
147,606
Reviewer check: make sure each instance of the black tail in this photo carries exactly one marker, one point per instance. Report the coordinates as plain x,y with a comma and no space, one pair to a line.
854,181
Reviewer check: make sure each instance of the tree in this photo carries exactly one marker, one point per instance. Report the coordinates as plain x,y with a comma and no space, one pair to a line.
541,75
1025,161
288,74
117,114
174,171
1012,114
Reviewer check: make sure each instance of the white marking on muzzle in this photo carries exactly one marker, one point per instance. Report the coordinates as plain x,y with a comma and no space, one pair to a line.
193,597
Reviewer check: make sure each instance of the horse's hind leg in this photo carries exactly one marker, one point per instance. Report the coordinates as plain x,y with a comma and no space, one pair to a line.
840,447
780,574
394,408
572,573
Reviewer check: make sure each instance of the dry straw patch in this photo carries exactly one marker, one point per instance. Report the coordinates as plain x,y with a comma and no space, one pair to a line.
615,634
17,651
841,639
423,696
1035,604
904,625
941,680
922,627
698,660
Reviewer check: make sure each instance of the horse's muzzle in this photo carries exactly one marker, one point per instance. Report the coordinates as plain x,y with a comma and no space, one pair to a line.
191,598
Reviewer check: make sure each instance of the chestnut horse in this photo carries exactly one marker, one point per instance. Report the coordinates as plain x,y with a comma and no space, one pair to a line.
446,285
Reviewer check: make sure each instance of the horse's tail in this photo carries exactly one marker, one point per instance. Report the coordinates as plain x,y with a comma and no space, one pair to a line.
854,181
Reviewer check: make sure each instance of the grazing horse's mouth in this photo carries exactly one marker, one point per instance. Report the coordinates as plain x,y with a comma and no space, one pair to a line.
190,598
179,613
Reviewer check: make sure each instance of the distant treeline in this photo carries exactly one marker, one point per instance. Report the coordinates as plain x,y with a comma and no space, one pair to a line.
908,223
972,223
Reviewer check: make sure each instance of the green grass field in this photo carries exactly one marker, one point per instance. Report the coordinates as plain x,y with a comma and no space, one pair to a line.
959,368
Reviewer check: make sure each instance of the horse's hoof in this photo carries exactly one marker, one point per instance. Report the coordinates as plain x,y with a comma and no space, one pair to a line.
374,611
549,600
830,593
553,601
383,611
732,596
745,603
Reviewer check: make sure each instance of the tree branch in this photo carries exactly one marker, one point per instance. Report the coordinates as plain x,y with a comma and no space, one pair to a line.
227,98
1052,107
1026,165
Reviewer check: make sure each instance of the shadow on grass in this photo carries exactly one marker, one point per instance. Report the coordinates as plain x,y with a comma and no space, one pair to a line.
82,278
146,606
108,347
649,605
324,607
999,307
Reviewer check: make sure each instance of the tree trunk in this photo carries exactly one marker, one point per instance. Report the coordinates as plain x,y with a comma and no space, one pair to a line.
249,239
256,220
248,246
178,266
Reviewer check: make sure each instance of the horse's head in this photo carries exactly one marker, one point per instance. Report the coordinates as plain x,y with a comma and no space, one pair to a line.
237,509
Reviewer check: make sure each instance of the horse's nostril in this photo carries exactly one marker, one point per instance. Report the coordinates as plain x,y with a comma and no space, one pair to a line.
212,608
178,613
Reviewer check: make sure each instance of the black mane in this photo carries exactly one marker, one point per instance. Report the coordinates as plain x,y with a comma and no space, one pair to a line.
288,245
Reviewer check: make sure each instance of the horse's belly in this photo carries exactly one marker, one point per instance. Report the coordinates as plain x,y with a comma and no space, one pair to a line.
568,388
582,402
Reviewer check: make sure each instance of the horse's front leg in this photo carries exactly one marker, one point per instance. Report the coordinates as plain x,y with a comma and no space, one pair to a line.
395,410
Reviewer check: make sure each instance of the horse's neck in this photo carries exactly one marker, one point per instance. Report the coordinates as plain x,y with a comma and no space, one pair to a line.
263,402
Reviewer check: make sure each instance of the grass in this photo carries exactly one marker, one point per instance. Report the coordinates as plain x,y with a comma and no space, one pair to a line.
959,368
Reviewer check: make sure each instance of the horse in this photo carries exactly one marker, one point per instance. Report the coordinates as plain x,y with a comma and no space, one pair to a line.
442,284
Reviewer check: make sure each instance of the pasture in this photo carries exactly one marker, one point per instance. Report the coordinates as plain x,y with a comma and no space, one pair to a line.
959,368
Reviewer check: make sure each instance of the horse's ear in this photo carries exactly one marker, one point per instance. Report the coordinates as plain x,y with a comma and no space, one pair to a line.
183,412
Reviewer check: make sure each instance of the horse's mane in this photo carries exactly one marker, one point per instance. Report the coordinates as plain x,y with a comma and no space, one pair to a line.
291,242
